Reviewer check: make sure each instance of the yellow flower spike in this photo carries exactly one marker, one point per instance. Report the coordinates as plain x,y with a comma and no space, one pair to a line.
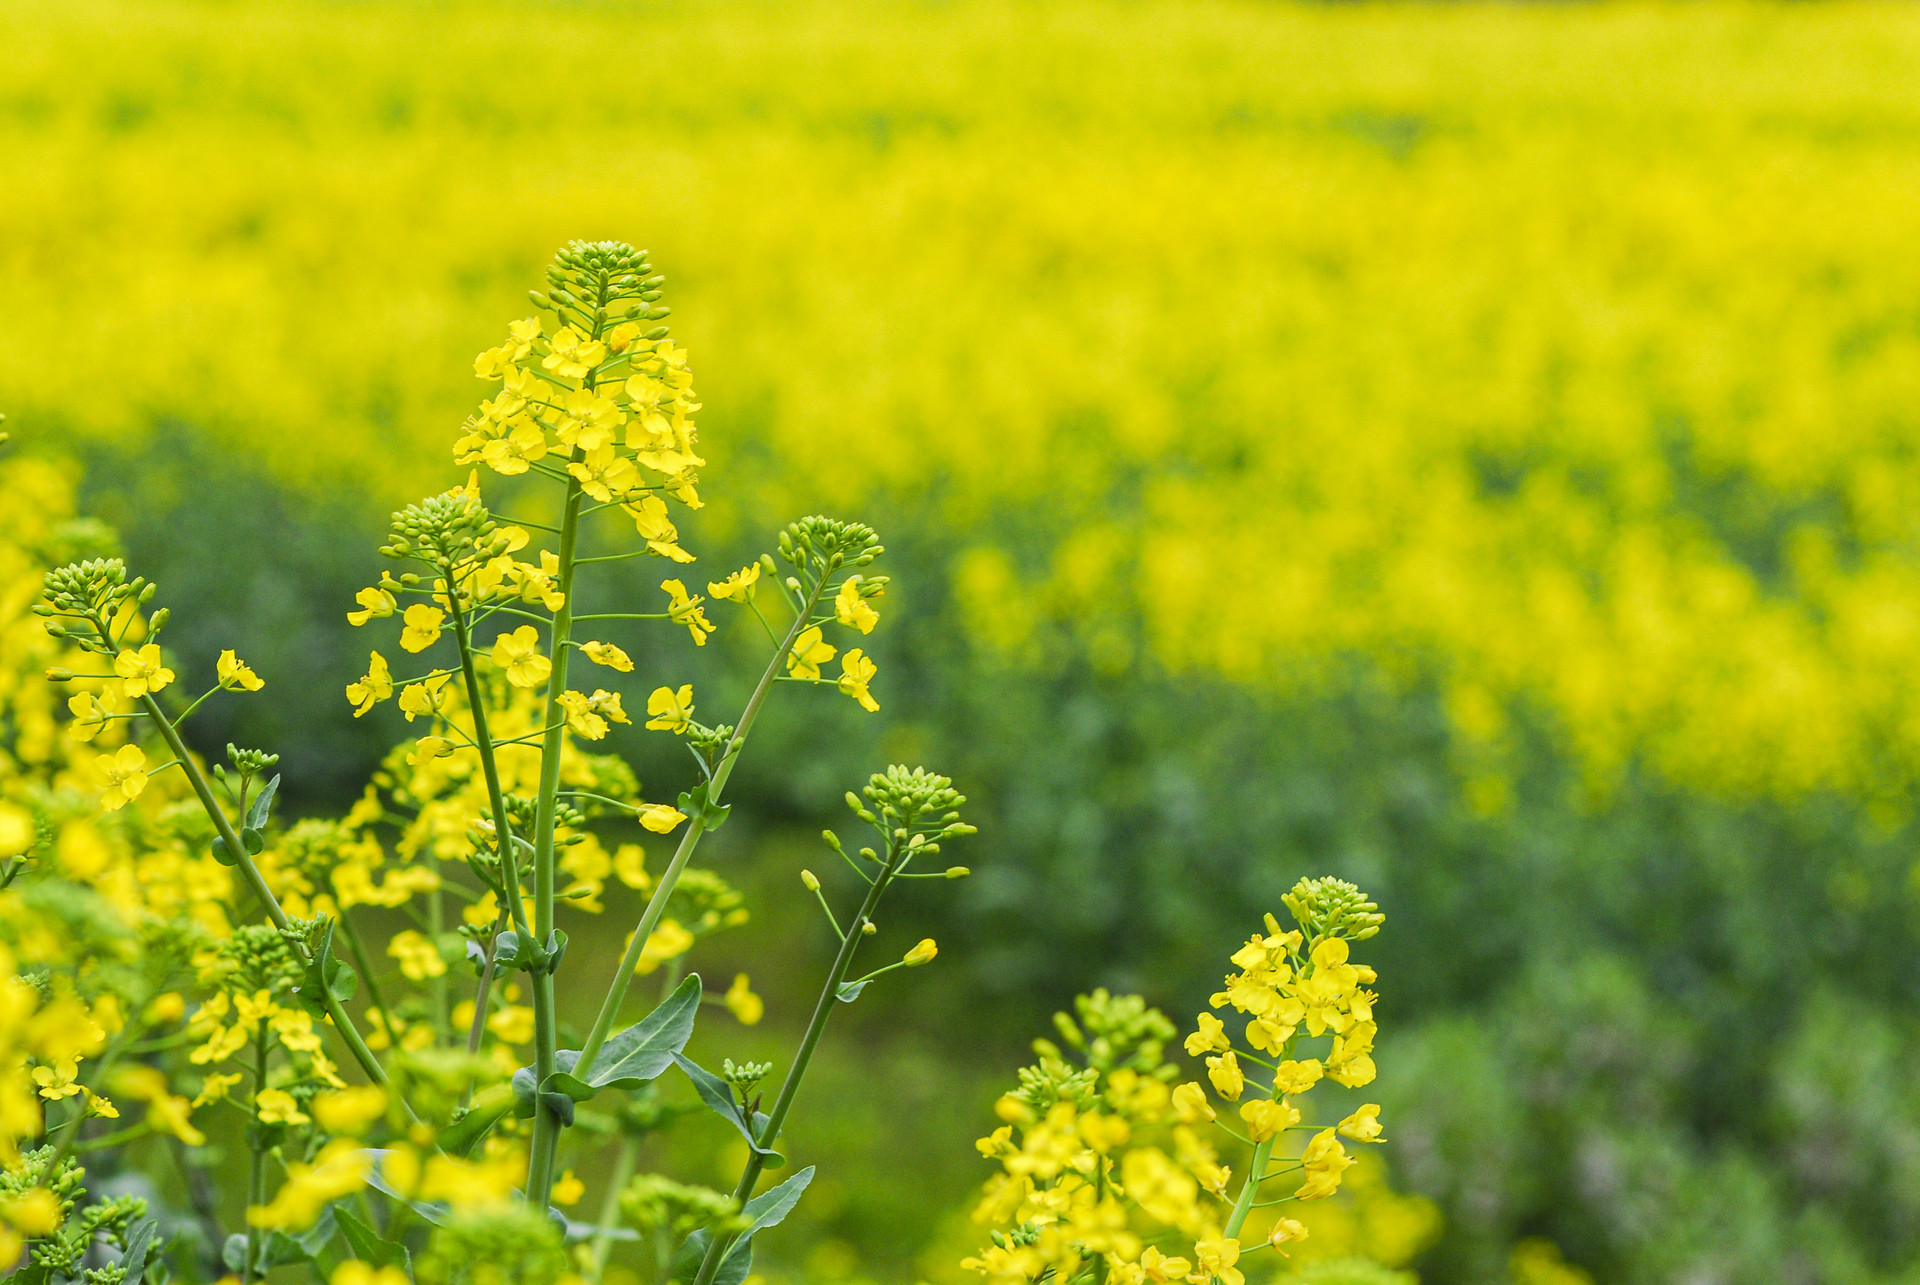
670,711
660,818
375,604
810,651
922,953
685,610
422,626
1224,1071
419,958
141,672
92,712
126,773
1363,1125
737,587
277,1106
607,654
235,675
850,608
518,656
374,686
856,672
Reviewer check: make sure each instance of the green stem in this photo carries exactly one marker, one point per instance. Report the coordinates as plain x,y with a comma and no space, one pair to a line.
359,953
610,1206
257,1165
546,1125
1249,1187
489,769
790,1086
349,1033
657,903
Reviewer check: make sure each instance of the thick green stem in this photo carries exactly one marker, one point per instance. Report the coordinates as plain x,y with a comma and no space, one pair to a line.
546,1125
1249,1187
790,1086
663,890
490,770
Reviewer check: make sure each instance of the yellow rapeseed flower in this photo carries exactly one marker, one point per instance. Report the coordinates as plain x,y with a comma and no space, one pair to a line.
374,604
607,654
374,686
126,773
141,672
235,675
518,656
850,608
670,711
737,587
685,610
422,626
810,651
856,671
419,958
742,1002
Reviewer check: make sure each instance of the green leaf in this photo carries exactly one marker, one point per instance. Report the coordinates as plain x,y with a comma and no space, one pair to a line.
225,858
367,1245
234,1252
253,840
139,1243
326,975
490,1105
718,1095
850,991
695,803
642,1053
769,1209
575,1088
433,1213
262,806
559,1104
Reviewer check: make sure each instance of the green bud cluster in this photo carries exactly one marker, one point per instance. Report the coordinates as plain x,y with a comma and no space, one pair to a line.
818,546
1116,1031
445,530
1055,1080
250,762
261,958
497,1243
703,902
1020,1237
64,1253
652,1203
91,591
592,282
915,808
1333,908
745,1076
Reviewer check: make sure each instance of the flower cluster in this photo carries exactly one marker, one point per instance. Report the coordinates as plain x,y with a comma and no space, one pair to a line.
1111,1168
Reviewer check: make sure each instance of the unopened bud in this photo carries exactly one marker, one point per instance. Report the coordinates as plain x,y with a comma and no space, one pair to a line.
807,878
921,954
59,675
158,622
958,872
869,928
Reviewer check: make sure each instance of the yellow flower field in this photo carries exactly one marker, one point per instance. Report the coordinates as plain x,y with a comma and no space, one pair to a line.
1571,351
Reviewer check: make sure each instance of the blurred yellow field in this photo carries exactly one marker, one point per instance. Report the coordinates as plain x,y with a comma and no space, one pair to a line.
1570,352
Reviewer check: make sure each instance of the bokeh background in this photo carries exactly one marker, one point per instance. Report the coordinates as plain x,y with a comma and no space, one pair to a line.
1471,450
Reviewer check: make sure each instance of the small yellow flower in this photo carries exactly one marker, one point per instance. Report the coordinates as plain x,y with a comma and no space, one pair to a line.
607,654
349,1111
572,354
276,1106
419,958
422,626
1291,1079
1287,1230
57,1082
922,953
518,654
428,748
809,652
214,1088
1363,1125
850,608
670,711
235,675
355,1272
374,604
126,773
17,830
1211,1036
630,866
660,818
737,587
1266,1117
742,1002
1190,1105
417,699
1225,1073
684,610
669,940
1214,1259
856,672
35,1212
512,1024
141,671
374,686
91,712
568,1189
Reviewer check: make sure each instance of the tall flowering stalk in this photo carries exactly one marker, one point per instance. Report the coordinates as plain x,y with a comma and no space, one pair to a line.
452,1113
